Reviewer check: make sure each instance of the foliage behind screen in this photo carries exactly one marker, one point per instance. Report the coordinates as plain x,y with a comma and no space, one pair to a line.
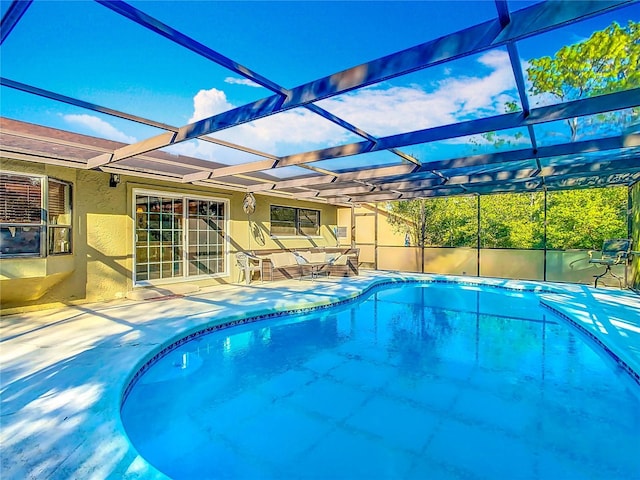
575,219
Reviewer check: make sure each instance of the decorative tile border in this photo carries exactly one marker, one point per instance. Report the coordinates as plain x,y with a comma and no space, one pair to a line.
232,323
130,383
635,376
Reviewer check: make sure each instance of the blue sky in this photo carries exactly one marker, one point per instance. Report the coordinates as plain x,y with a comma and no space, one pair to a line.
84,50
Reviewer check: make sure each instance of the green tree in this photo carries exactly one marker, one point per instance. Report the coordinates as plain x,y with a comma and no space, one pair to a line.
585,218
512,220
575,219
407,217
459,224
444,222
606,62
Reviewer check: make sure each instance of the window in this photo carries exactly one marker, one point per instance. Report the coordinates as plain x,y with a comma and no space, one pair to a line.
29,206
59,216
283,220
289,221
178,237
308,222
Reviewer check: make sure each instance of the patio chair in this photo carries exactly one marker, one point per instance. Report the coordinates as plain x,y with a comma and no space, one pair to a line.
315,262
614,252
248,264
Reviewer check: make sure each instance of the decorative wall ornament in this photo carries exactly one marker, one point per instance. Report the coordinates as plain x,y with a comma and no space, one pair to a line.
249,203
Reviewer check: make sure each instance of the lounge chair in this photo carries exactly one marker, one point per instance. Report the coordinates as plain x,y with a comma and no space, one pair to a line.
614,252
248,264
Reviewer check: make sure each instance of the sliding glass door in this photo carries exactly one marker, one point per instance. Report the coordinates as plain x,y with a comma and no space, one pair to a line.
178,237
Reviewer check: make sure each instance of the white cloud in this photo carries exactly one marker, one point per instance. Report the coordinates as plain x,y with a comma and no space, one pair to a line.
209,102
473,94
281,134
286,132
384,111
293,127
242,81
99,127
381,110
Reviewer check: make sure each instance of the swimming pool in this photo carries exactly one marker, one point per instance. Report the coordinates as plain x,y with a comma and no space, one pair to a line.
438,381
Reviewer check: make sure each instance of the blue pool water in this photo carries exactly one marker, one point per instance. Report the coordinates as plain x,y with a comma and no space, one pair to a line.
435,381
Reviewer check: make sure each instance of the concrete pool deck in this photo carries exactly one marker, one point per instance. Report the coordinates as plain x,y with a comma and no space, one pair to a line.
64,371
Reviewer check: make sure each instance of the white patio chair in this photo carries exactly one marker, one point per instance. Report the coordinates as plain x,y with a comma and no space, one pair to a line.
248,264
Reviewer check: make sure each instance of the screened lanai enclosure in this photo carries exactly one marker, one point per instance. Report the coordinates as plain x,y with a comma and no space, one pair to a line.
548,236
451,100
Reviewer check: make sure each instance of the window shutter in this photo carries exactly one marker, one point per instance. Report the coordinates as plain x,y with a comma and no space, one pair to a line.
20,199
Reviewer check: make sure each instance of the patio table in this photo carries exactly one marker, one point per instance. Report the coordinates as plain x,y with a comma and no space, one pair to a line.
315,268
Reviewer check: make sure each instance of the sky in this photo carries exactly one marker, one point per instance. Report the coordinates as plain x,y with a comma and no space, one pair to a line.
84,50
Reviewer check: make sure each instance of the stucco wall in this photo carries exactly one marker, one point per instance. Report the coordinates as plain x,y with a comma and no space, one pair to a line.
365,223
100,267
371,232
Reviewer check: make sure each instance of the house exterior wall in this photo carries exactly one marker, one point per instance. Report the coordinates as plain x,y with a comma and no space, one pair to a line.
386,236
368,229
101,264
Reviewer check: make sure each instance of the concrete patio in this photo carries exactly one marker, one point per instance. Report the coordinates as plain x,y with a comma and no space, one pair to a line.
64,371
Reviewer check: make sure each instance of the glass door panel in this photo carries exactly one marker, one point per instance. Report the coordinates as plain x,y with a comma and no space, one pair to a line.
158,237
205,220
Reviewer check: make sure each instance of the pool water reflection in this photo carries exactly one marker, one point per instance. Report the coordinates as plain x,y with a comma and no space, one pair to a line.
416,381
